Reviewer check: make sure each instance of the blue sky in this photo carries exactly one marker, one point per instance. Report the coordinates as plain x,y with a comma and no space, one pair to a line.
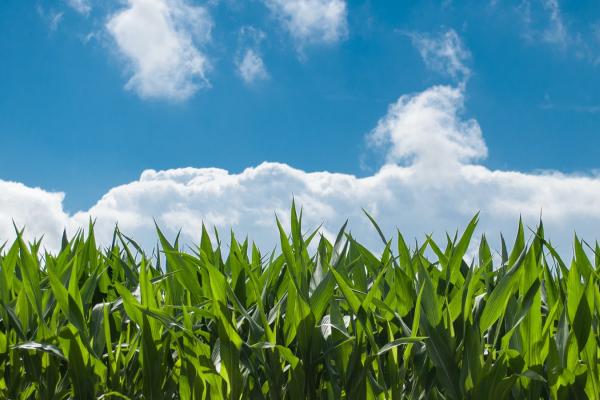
95,93
69,124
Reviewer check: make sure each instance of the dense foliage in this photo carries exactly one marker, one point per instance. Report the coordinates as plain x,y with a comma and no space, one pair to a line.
414,323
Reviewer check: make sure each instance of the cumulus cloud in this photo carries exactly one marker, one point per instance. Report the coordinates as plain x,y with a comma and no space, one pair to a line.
81,6
444,53
40,210
425,130
160,41
251,67
312,21
437,188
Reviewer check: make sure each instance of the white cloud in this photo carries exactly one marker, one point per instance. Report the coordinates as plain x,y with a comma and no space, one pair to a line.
50,17
426,130
55,20
81,6
556,31
544,22
159,40
422,196
40,210
445,53
312,21
251,67
248,60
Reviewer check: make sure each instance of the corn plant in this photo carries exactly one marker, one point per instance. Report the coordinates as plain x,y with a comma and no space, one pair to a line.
314,320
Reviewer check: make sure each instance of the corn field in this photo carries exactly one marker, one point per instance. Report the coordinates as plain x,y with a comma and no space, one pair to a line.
313,320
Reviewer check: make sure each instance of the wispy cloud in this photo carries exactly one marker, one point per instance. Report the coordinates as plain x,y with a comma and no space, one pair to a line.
544,22
52,18
81,6
556,32
251,67
248,60
444,53
160,41
548,104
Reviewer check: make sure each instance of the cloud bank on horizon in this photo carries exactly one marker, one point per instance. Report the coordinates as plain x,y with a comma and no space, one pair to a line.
431,181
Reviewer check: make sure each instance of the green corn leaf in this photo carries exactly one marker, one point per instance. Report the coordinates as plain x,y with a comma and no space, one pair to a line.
498,299
43,347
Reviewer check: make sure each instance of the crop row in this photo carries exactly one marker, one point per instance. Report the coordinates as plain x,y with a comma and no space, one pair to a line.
313,320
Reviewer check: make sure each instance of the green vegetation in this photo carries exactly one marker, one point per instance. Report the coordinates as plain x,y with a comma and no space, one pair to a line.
412,323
